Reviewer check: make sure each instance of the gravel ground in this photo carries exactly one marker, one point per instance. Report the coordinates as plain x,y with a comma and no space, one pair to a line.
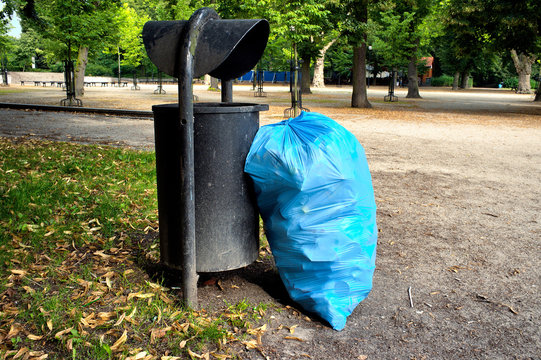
457,183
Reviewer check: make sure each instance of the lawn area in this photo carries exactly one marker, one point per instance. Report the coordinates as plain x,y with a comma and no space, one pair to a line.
78,228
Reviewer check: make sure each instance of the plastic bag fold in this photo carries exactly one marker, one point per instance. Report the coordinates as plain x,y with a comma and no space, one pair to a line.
315,195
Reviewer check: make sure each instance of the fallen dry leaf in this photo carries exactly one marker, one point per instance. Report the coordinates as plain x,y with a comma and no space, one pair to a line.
38,355
158,333
20,353
293,338
140,355
100,253
292,329
29,290
140,295
121,340
42,357
59,334
252,344
14,330
106,315
192,354
221,356
18,272
34,337
120,319
127,272
184,327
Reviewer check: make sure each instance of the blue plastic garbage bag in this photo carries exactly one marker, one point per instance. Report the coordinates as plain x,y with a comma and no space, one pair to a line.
315,195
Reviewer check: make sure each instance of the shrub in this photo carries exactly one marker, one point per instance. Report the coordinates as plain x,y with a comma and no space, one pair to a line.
444,80
98,70
512,83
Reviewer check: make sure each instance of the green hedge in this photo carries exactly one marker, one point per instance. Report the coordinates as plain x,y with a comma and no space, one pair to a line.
446,80
512,83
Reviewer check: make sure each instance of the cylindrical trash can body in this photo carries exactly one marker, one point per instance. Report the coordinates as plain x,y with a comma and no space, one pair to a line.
226,216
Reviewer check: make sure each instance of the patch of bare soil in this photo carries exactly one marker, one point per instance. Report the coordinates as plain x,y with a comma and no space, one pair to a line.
459,204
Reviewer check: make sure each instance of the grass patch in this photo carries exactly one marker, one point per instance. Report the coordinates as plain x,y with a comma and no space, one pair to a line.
11,91
73,219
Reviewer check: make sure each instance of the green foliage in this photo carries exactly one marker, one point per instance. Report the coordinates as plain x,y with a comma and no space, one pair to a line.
339,59
404,29
444,80
514,25
28,46
393,39
164,9
129,37
512,83
94,69
66,25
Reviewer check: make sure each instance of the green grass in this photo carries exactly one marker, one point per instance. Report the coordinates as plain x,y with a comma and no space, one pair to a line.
4,90
73,221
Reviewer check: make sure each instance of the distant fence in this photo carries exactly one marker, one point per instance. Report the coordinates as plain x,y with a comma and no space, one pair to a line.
30,76
268,76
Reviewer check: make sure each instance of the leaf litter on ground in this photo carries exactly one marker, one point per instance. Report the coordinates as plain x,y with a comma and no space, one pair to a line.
76,233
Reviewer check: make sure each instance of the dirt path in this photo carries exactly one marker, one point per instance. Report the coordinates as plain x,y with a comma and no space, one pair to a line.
459,202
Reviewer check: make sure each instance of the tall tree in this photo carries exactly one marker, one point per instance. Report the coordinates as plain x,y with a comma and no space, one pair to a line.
319,66
74,26
412,22
393,38
466,37
523,64
356,29
514,26
305,23
129,39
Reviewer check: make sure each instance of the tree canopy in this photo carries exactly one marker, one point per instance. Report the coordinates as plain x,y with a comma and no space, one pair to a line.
466,37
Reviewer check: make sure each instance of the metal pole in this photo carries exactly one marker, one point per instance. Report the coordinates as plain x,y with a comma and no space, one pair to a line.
118,51
296,83
227,91
187,46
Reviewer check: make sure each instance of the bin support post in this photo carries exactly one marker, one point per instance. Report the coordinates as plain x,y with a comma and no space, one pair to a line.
185,69
227,91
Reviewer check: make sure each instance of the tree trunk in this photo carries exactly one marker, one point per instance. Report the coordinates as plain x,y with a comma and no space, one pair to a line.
456,79
523,65
413,78
213,83
319,74
305,76
538,92
359,98
465,79
80,68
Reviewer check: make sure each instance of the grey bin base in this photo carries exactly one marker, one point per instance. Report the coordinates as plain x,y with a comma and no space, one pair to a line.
226,216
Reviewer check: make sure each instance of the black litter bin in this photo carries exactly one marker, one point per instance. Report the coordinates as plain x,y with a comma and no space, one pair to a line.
226,216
